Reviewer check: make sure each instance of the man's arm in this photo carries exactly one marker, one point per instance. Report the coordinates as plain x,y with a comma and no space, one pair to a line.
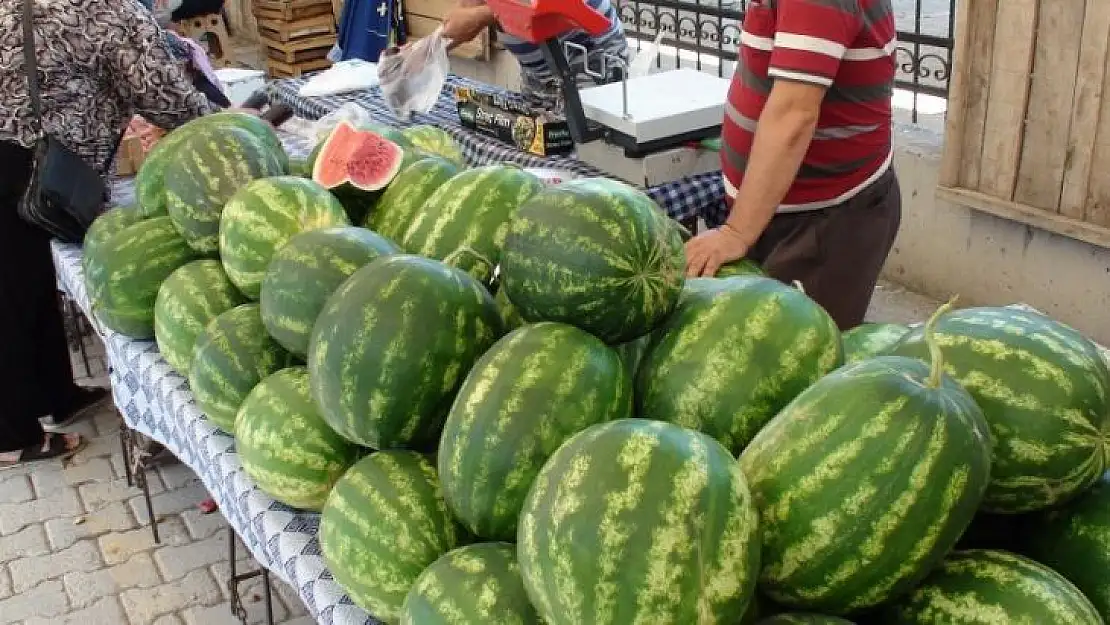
467,21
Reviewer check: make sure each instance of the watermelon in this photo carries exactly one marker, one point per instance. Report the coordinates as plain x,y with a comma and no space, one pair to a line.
434,141
262,216
103,227
510,316
871,339
362,158
597,254
742,267
536,387
475,584
1075,542
394,212
378,557
865,481
232,356
305,272
392,346
208,167
984,586
471,210
635,521
632,354
1045,390
734,353
125,271
286,446
803,618
150,181
188,301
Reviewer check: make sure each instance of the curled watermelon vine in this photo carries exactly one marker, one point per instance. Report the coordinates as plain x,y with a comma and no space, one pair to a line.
936,356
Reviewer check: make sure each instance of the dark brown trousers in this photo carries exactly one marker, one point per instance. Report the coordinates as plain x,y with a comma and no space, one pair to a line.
836,253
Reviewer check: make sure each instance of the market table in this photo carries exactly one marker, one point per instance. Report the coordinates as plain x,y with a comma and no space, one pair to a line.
696,196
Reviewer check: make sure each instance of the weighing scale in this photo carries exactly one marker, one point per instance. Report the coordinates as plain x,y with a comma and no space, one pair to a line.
644,130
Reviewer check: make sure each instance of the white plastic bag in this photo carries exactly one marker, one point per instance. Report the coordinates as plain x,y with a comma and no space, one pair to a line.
644,62
342,77
412,77
350,112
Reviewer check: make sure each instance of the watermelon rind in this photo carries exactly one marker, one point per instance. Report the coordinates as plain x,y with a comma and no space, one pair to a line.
865,481
635,521
393,213
803,618
742,267
103,227
304,273
477,584
392,346
733,354
434,141
535,388
384,523
232,356
471,210
189,299
285,445
597,254
871,339
991,586
262,216
510,316
1045,391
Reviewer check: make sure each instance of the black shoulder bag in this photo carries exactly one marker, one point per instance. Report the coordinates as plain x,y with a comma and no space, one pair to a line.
65,194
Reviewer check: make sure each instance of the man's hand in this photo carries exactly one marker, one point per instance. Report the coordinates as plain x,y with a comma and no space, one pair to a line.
706,252
465,23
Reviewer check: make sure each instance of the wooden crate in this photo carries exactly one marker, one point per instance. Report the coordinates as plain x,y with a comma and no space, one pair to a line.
275,30
280,69
1029,114
291,10
307,48
424,16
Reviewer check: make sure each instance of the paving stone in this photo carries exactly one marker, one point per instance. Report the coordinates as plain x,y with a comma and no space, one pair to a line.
98,494
176,475
107,610
45,600
16,516
221,614
289,598
85,588
119,547
5,582
169,619
174,562
95,471
29,572
144,605
15,489
301,620
28,543
169,502
113,517
202,525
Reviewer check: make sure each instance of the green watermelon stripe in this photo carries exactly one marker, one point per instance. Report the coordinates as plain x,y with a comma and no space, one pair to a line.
404,197
189,299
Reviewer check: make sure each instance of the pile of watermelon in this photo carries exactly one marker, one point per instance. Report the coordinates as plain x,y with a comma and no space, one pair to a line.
509,405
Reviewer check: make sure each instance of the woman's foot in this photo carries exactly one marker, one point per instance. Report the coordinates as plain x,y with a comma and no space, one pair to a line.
61,446
85,402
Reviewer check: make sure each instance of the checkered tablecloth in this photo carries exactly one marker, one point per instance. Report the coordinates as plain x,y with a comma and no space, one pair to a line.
695,196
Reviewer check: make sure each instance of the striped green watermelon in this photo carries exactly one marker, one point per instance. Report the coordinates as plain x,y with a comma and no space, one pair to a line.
384,522
187,302
636,521
207,168
262,216
124,273
286,446
535,388
983,586
510,316
393,345
1045,390
803,618
103,227
632,354
734,353
1075,542
742,267
305,272
471,210
865,481
434,141
871,339
150,181
394,212
597,254
232,356
472,585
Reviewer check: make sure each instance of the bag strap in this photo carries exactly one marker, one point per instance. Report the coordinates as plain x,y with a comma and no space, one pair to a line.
30,65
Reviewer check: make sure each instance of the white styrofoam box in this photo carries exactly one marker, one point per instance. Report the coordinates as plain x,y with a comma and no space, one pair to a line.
239,83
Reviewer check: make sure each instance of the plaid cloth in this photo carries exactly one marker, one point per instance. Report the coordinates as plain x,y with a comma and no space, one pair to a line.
696,196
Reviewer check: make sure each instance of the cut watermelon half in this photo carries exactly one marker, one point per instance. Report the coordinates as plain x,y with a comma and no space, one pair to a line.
362,158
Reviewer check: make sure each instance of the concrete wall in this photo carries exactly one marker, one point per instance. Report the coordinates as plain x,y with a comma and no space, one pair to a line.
945,249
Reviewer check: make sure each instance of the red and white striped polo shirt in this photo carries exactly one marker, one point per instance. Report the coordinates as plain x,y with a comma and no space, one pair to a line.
845,45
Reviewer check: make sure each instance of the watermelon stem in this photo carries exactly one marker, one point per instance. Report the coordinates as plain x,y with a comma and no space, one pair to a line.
798,285
466,249
936,356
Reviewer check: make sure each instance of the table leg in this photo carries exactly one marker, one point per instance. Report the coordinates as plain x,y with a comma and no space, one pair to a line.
140,474
126,449
235,578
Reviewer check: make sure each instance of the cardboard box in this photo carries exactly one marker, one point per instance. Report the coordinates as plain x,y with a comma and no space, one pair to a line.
139,139
513,122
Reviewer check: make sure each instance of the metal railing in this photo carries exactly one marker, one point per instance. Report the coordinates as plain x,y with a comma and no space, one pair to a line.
706,35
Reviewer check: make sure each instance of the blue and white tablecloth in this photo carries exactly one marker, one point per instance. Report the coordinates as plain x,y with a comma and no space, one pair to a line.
696,196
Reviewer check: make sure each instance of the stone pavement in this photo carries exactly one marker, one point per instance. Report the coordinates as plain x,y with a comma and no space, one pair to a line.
75,548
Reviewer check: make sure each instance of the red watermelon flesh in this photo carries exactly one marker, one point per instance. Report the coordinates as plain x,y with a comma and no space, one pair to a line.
361,158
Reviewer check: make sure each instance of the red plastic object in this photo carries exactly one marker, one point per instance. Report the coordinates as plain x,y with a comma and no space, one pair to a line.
537,21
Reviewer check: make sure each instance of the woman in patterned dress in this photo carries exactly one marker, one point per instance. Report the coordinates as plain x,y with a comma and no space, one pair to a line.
100,62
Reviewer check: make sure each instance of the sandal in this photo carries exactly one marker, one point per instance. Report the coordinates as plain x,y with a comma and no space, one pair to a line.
86,402
53,446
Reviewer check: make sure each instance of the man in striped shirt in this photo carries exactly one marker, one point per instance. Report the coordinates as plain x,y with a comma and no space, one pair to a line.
806,151
538,82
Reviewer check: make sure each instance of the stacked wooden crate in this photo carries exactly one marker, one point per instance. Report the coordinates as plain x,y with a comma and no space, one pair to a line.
296,34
